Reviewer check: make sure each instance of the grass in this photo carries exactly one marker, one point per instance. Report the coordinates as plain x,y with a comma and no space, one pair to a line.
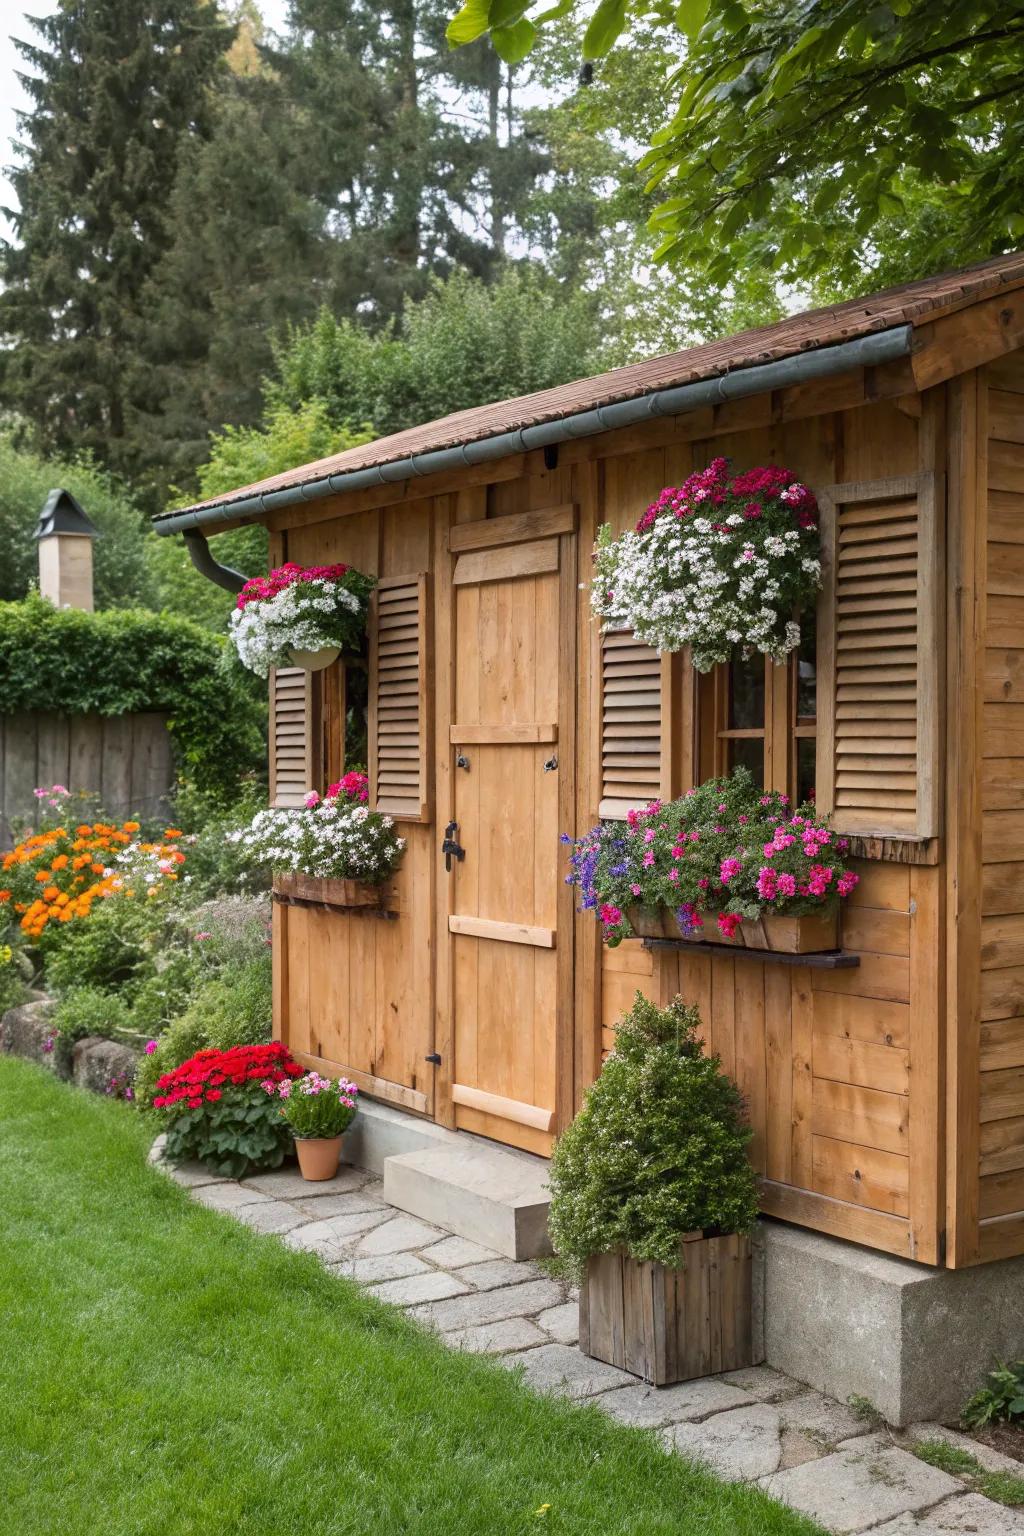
1002,1487
166,1372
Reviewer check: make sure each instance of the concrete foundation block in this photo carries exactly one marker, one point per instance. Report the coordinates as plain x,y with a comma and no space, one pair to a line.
913,1340
476,1191
379,1132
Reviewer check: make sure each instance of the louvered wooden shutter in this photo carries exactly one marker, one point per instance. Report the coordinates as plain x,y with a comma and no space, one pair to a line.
878,658
399,707
631,723
291,747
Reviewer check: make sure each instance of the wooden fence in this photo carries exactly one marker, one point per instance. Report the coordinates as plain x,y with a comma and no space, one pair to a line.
124,759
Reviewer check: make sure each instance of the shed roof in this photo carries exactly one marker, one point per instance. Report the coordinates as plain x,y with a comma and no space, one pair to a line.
911,304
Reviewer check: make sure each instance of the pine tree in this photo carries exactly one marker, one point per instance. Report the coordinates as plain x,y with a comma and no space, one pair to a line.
118,88
249,255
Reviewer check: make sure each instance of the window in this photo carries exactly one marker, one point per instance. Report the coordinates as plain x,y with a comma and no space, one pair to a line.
760,716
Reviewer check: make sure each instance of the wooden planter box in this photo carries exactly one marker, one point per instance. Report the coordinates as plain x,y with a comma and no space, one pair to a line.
333,893
668,1325
808,935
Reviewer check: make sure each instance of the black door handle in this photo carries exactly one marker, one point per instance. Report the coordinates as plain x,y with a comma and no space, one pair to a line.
450,847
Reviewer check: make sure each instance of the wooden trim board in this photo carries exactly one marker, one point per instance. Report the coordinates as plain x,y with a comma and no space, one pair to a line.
506,562
504,1109
502,735
514,529
505,933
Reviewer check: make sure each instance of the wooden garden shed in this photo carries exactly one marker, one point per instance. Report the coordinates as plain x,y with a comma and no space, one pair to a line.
887,1095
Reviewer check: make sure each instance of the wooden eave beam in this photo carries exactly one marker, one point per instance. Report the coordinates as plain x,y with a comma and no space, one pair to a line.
968,338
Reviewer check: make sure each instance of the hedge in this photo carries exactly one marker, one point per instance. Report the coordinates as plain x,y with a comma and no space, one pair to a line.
126,661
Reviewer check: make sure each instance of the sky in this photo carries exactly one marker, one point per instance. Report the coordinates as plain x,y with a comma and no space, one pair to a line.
12,94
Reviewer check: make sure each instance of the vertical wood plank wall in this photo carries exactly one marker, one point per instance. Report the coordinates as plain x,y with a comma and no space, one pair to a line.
359,990
842,1070
824,1058
997,1192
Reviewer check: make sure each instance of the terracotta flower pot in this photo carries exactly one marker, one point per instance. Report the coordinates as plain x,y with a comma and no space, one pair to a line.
315,661
318,1156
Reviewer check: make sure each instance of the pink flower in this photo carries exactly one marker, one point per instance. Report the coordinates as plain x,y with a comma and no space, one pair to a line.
728,922
847,882
151,1046
649,835
312,799
648,860
636,889
767,883
728,870
787,884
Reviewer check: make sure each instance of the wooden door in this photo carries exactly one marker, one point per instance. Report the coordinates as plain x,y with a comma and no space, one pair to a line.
510,912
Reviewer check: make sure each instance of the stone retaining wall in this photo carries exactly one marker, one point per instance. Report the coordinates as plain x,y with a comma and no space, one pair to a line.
27,1031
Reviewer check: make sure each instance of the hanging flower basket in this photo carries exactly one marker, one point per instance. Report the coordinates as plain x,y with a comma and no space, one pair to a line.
315,661
721,564
300,616
725,865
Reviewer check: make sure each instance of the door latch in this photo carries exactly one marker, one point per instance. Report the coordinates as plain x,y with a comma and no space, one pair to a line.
434,1059
462,761
450,847
552,762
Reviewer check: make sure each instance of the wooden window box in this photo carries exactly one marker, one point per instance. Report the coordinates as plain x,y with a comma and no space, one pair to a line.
814,933
668,1325
334,893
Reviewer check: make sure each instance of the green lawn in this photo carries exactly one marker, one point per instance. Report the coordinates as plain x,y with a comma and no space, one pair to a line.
164,1370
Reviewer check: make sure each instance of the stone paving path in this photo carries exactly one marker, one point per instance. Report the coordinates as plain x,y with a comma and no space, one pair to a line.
755,1425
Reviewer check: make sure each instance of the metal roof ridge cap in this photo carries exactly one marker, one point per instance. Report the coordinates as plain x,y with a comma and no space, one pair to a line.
872,348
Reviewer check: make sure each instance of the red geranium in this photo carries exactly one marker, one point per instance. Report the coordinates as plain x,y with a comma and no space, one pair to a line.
261,588
199,1077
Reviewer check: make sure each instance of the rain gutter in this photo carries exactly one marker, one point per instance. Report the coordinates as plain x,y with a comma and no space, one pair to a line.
869,351
206,565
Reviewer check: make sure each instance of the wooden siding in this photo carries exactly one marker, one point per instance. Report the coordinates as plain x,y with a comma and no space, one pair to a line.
842,1070
999,1197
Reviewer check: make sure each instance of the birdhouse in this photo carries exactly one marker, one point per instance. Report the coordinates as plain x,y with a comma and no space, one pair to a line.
65,536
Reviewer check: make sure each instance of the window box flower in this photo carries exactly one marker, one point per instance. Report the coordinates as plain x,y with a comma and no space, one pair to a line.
720,563
300,616
333,849
724,864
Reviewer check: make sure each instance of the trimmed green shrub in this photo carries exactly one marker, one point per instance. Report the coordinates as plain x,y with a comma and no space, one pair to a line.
129,661
109,950
659,1148
85,1011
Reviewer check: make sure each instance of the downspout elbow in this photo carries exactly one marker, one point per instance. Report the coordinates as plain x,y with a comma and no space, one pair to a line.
206,565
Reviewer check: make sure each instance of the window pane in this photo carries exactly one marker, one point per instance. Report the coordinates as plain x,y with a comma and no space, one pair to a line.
807,668
357,684
805,754
748,754
746,694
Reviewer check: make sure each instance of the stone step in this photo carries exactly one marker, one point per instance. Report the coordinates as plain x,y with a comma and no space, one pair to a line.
476,1190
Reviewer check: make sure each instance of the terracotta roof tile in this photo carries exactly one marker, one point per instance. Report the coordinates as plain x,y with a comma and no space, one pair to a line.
909,303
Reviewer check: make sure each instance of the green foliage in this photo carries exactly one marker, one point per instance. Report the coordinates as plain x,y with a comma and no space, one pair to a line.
242,1133
13,988
234,1008
110,950
1001,1399
116,91
1001,1487
26,479
87,1010
463,344
792,137
658,1149
121,662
